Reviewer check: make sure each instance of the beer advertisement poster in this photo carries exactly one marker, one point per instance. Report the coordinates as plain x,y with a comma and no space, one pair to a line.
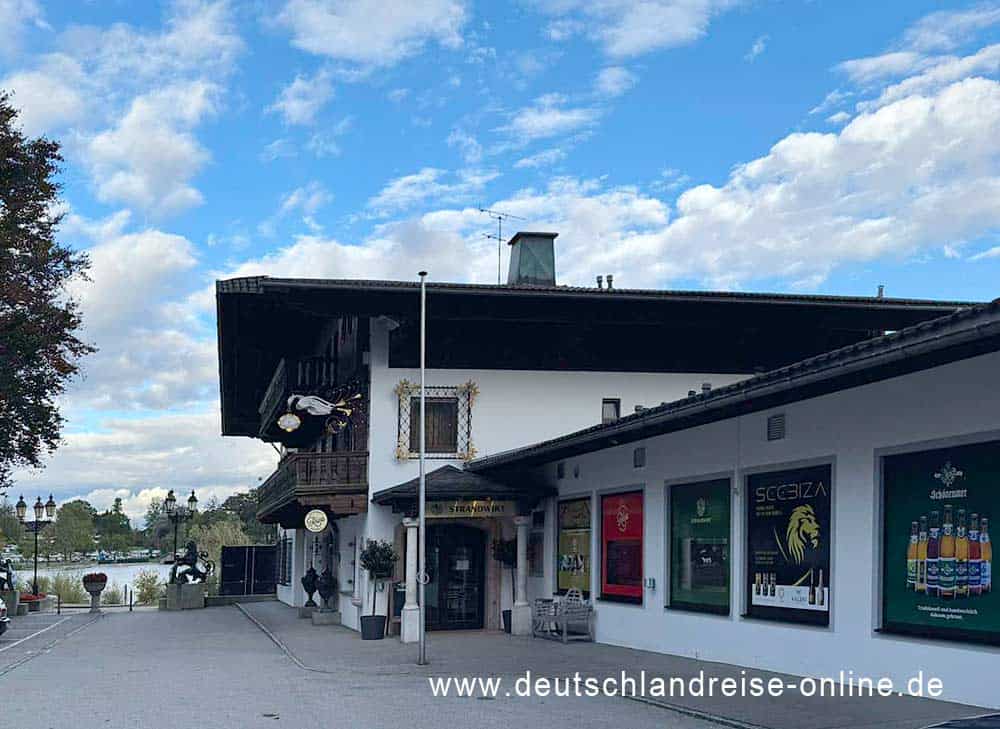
621,547
573,561
699,546
939,507
788,551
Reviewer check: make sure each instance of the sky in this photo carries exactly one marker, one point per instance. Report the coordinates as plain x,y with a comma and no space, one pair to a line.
815,146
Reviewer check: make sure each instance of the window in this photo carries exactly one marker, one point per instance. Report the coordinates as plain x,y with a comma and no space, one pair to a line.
776,427
284,561
448,420
441,418
621,547
639,457
611,410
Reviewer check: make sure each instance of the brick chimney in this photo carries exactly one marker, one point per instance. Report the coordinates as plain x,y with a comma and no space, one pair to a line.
532,259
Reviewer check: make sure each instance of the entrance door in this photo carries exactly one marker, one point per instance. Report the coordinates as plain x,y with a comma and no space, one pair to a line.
456,565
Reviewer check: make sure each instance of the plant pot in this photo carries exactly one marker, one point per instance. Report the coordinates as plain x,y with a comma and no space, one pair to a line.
94,588
505,614
372,627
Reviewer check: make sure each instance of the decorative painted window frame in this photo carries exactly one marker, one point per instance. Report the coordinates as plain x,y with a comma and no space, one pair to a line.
465,394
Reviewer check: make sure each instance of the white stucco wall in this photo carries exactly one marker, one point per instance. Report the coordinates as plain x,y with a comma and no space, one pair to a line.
954,403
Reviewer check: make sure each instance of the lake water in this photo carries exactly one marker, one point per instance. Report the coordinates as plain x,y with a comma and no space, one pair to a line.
118,574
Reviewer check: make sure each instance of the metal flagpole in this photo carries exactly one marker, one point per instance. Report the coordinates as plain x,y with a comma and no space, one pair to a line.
422,496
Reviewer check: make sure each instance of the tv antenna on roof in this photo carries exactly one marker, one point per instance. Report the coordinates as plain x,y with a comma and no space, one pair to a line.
499,217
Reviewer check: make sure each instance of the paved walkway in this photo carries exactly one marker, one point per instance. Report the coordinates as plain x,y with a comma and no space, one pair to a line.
214,668
339,651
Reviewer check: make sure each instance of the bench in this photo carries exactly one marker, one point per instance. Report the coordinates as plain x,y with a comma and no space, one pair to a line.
553,619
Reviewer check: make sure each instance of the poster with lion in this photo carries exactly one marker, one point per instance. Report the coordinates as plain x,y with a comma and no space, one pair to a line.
788,549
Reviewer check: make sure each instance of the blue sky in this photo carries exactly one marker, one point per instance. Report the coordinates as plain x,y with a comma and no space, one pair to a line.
812,146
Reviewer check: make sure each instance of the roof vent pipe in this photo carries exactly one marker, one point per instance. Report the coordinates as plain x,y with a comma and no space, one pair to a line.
611,280
706,387
881,291
600,282
691,393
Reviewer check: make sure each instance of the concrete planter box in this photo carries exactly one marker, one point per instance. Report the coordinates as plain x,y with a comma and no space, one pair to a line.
11,597
185,597
326,617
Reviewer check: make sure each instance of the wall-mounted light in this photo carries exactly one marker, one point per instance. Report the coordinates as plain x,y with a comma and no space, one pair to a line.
289,422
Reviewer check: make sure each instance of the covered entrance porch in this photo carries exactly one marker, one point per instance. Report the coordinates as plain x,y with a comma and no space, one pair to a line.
466,514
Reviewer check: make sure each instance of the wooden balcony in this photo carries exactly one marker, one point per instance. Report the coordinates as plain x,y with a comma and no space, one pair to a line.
336,482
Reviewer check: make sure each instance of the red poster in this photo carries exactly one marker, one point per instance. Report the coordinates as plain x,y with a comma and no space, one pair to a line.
621,547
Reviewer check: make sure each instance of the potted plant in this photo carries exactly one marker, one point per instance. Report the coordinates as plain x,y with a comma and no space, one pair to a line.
309,585
94,583
505,552
378,559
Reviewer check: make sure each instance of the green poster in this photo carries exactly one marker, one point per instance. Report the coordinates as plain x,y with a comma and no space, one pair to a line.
574,546
939,508
699,546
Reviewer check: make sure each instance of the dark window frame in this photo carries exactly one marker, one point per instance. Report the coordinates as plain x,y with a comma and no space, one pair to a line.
616,402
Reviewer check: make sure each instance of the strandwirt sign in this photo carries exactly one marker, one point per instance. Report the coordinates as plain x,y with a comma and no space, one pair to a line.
477,509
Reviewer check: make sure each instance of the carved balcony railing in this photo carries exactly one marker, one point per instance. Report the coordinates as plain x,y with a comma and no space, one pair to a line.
304,480
294,375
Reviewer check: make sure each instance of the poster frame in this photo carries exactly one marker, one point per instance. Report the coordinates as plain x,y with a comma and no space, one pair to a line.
589,497
904,630
598,516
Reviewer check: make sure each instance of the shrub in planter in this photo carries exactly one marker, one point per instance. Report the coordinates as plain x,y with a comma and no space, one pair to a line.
378,558
505,552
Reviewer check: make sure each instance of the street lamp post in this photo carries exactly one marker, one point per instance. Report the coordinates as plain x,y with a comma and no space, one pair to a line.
177,514
43,517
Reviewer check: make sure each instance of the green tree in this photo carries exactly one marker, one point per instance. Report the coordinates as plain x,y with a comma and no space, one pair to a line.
226,531
39,322
157,531
73,530
244,507
11,530
114,531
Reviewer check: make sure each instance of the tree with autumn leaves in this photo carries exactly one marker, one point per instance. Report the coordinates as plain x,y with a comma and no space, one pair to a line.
40,347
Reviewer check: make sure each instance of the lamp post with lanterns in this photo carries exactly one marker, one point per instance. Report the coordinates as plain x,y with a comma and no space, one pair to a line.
176,514
44,514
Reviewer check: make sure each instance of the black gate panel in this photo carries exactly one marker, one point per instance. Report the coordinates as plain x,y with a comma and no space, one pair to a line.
248,570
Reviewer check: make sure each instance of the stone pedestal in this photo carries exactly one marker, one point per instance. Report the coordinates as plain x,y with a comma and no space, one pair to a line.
326,617
185,597
306,612
409,624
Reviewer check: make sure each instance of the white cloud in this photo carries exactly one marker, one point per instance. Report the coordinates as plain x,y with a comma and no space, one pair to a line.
467,145
947,29
363,32
941,72
547,117
628,28
301,100
839,118
151,352
138,459
15,16
48,97
614,81
148,159
885,65
989,253
397,96
305,201
758,47
545,158
428,185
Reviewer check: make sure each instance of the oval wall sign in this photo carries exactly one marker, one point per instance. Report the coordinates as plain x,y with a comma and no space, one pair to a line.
316,520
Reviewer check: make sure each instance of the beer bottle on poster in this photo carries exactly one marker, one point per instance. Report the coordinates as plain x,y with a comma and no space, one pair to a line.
911,556
985,556
756,583
975,552
812,589
922,556
774,579
961,556
933,542
946,556
820,592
